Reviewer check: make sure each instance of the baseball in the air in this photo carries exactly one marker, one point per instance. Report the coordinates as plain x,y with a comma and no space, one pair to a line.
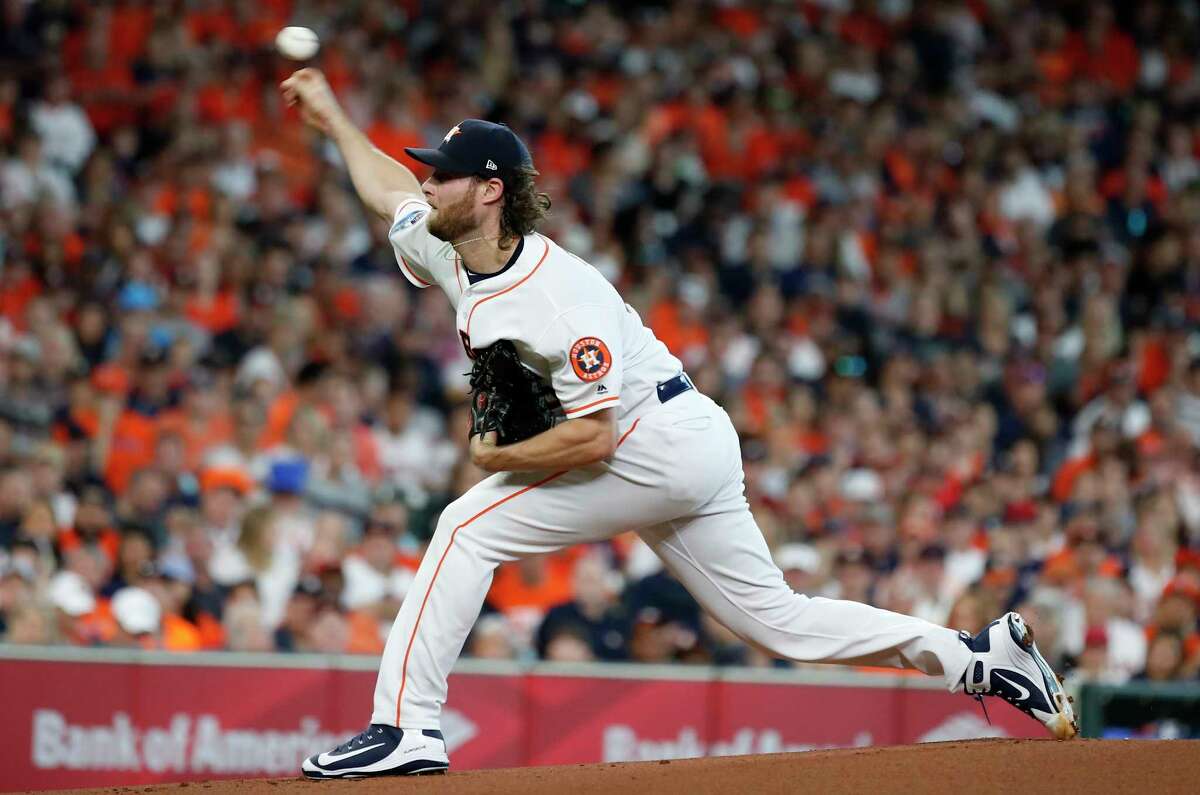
297,43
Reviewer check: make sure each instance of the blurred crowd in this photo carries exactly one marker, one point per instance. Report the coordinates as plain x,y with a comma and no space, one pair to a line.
939,260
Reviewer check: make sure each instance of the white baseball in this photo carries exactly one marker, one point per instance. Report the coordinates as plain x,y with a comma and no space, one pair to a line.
297,43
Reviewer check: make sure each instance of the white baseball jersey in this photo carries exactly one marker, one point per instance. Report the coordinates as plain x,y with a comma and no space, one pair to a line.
675,479
569,325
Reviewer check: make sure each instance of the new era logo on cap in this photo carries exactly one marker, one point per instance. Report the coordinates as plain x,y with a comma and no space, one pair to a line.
478,147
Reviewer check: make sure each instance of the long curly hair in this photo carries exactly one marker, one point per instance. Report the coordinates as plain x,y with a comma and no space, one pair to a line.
524,205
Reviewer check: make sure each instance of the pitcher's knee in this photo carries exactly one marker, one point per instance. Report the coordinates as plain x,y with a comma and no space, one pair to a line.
454,516
770,618
461,525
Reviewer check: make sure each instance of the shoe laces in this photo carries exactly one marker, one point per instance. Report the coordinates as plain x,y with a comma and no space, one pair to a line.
361,738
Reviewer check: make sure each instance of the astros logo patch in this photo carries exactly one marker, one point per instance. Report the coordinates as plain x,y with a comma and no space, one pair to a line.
590,358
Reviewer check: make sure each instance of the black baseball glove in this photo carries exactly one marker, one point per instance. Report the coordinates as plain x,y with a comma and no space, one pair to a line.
508,398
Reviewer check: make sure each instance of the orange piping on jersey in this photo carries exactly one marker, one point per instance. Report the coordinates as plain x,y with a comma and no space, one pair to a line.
442,559
458,273
594,403
483,301
626,434
412,273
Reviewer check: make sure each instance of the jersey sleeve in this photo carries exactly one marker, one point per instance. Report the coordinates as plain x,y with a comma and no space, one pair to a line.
418,253
583,350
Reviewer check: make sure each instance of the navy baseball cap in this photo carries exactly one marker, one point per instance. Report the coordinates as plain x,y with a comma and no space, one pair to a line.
480,148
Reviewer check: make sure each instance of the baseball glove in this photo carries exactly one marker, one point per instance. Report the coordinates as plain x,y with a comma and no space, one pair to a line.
508,398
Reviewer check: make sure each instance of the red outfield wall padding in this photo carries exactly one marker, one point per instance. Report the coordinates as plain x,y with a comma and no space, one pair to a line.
75,724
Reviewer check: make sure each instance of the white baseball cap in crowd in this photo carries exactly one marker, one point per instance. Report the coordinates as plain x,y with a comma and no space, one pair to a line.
136,610
862,485
70,593
798,557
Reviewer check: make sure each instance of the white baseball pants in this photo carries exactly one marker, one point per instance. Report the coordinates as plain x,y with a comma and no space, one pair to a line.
676,479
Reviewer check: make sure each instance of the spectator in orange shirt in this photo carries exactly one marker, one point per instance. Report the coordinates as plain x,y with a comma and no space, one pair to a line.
74,601
170,585
307,392
126,434
524,590
137,619
396,128
1177,610
202,422
210,305
1104,441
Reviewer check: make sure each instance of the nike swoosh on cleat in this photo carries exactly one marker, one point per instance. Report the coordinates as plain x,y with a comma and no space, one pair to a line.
329,759
1024,692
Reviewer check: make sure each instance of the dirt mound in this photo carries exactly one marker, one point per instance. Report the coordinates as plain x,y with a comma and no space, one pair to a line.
978,766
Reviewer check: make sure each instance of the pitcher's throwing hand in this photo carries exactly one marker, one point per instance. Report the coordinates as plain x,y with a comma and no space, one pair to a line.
309,89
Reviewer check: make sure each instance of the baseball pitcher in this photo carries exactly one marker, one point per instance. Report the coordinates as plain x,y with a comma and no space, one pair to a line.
591,428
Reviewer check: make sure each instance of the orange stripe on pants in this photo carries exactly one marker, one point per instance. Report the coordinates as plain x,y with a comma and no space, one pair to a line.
424,601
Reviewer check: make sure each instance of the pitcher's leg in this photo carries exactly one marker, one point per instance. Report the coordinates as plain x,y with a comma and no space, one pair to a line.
474,535
507,516
723,560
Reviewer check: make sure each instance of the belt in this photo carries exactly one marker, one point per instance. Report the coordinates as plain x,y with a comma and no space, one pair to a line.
674,386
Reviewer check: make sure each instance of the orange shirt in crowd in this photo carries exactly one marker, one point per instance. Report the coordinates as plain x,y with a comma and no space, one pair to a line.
1154,364
1068,473
559,155
14,297
221,102
128,30
215,314
1063,566
179,634
1116,62
109,542
212,633
678,335
197,438
393,139
106,94
761,403
1191,644
197,200
865,29
131,449
98,626
364,633
279,417
511,591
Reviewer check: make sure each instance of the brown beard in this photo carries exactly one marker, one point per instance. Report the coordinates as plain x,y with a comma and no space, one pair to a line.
455,221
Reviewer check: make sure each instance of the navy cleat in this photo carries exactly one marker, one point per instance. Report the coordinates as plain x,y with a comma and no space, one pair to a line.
1006,663
382,750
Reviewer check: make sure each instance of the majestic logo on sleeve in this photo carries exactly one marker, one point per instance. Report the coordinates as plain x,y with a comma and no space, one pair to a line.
590,358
